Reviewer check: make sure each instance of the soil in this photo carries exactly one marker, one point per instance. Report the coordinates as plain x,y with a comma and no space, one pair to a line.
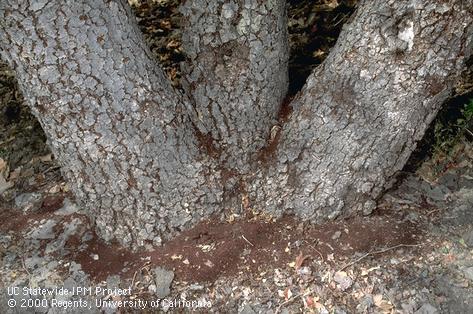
213,249
412,255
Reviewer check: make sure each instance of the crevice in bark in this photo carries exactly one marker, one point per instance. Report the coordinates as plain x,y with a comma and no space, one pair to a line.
159,22
235,73
321,27
268,151
360,113
117,127
206,143
352,126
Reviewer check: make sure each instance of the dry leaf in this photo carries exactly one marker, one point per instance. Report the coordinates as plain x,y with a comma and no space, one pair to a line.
311,302
365,272
165,24
4,184
55,189
208,263
318,53
46,158
117,297
383,305
15,174
300,260
245,201
332,4
3,166
386,306
66,188
377,299
287,294
174,257
206,247
230,218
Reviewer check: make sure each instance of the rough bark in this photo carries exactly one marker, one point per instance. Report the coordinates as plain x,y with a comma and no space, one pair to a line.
236,72
114,122
126,143
361,112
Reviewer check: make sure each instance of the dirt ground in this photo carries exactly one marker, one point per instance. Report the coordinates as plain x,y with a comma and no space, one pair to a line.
412,255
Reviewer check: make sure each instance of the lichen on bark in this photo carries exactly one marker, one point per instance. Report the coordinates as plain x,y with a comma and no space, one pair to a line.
361,113
117,127
236,72
147,161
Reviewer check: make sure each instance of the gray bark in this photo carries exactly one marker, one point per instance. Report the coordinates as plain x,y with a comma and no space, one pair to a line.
361,112
236,73
127,143
114,122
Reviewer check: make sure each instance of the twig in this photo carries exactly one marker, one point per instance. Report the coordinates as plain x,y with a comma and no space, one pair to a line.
471,133
136,272
290,300
24,266
326,244
7,141
247,240
50,169
433,211
377,252
313,248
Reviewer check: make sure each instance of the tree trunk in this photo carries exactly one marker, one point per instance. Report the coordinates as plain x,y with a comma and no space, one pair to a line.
361,113
130,145
236,73
114,122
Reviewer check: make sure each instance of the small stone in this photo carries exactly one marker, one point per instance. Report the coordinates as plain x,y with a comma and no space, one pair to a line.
87,236
304,271
437,193
113,282
365,303
70,283
95,257
409,306
368,207
28,202
468,238
426,308
333,215
343,280
196,287
68,207
152,288
450,180
468,273
338,310
163,279
44,231
336,235
412,217
247,309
